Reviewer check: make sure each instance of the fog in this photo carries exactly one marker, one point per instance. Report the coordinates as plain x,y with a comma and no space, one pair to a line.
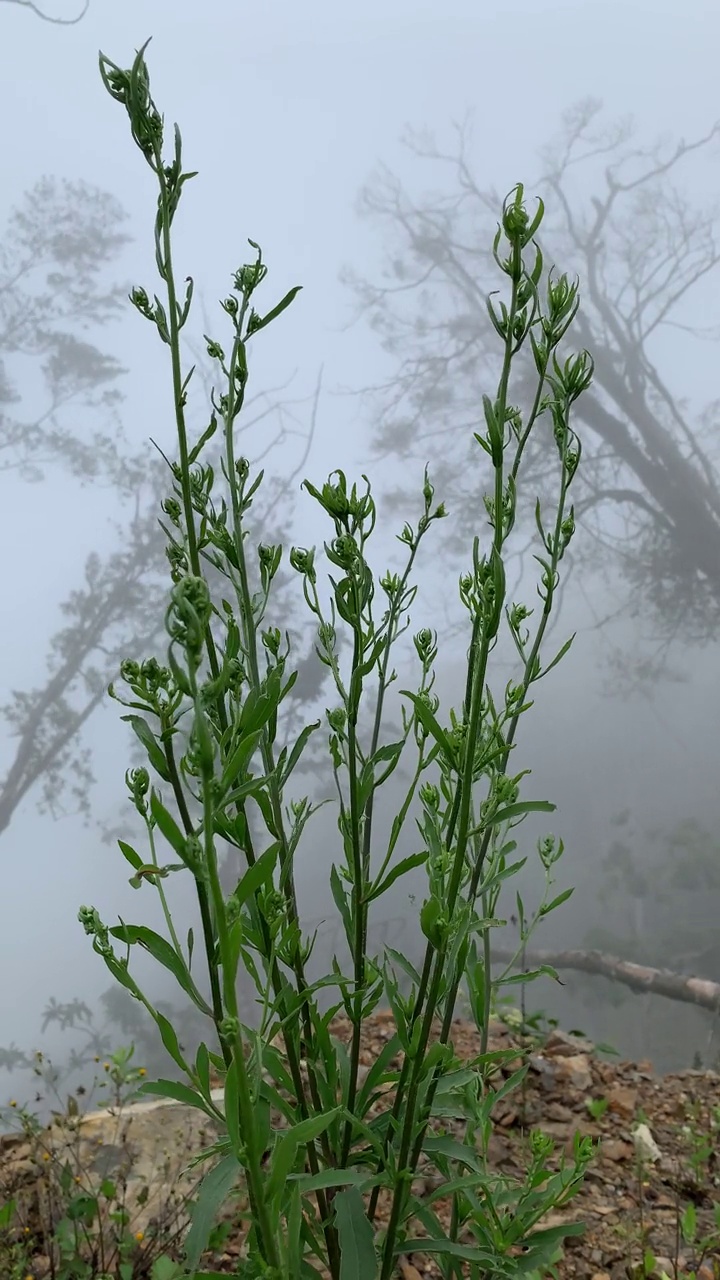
286,113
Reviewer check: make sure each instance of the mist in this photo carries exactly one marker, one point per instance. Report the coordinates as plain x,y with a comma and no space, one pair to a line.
286,115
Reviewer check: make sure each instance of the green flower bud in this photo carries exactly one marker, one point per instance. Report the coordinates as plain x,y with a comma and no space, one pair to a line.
336,718
172,510
302,560
271,640
430,796
390,584
425,642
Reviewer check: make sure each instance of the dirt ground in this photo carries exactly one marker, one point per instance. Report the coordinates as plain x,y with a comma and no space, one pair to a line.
627,1211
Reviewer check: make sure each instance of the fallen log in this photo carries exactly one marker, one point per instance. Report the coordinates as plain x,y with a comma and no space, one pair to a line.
639,977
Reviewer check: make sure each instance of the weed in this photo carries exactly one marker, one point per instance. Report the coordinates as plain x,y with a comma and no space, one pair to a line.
328,1157
62,1214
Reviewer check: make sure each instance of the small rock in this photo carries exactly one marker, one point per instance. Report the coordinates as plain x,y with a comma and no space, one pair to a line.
615,1149
560,1044
558,1111
622,1100
576,1070
409,1272
645,1145
666,1267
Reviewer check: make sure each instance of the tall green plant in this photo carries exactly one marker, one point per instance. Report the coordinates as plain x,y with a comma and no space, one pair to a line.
331,1186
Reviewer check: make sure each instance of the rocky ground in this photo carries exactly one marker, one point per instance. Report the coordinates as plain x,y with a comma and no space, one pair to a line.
629,1210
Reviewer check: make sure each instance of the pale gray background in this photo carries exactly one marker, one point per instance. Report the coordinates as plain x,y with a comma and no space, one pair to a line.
285,110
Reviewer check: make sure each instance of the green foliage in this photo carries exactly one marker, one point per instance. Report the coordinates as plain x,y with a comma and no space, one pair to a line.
211,720
77,1222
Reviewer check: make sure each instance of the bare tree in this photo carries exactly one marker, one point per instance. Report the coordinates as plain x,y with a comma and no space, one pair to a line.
644,250
54,257
46,17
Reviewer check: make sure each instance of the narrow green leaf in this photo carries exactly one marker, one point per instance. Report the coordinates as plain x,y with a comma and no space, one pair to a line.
519,809
206,435
167,824
378,1073
450,1248
310,1182
507,1086
529,975
556,902
285,1153
430,724
358,1259
202,1067
179,1092
453,1150
295,1234
403,963
558,658
297,750
170,1040
232,1112
165,954
129,853
242,753
214,1191
400,869
154,751
256,875
340,899
7,1213
259,323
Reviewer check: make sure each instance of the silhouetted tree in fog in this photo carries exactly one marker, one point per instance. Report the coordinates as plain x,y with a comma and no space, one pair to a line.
642,248
47,17
54,254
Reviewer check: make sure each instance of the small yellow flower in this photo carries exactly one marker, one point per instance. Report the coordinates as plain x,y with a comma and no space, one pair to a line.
142,1071
46,1156
27,1231
139,1236
13,1103
106,1066
78,1179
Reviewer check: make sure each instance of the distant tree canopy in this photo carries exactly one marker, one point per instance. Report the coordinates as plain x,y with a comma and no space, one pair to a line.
621,215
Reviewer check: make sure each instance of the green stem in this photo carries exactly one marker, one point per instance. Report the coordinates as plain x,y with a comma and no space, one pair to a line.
267,1238
234,404
206,919
361,858
477,681
451,998
359,906
178,400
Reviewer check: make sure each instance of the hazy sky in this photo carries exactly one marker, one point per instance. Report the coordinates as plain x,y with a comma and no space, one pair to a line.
285,110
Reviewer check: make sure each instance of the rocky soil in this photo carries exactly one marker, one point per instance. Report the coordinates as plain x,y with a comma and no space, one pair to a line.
628,1210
